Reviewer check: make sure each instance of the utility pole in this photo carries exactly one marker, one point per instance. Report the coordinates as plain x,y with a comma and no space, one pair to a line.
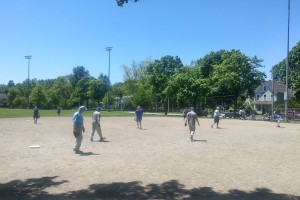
28,58
108,49
286,96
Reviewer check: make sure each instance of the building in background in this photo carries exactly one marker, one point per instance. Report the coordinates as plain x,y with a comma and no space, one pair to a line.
263,102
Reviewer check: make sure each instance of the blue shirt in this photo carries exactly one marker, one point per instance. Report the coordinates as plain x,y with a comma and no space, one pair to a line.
78,120
139,113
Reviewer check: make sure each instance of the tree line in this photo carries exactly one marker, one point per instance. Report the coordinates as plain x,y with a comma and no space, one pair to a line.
225,77
219,78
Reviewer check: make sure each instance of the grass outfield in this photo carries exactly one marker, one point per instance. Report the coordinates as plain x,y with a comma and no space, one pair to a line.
15,113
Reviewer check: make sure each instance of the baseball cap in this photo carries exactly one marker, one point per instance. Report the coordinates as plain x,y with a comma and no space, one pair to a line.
82,108
99,109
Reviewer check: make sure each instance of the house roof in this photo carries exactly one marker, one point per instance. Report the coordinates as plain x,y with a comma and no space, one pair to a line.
278,88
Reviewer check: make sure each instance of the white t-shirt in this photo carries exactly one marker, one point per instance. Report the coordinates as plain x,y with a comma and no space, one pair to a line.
217,113
96,117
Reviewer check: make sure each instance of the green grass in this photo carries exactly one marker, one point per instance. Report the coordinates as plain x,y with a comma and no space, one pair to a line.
17,113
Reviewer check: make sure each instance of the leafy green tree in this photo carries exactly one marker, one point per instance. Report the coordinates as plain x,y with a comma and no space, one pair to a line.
122,2
279,70
159,72
11,83
206,64
19,102
38,96
79,72
112,98
3,89
81,90
14,97
133,74
142,96
188,88
97,89
118,89
60,93
106,81
237,74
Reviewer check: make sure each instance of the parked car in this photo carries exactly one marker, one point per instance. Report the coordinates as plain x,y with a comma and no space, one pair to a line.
201,113
293,115
227,114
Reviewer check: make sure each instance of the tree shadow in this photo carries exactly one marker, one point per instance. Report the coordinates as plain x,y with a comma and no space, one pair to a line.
34,189
28,189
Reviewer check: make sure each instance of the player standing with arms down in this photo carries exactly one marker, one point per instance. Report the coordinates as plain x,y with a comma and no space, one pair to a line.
191,119
138,117
78,128
216,117
96,125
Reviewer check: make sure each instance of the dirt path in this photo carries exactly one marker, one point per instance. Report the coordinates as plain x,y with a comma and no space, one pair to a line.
242,160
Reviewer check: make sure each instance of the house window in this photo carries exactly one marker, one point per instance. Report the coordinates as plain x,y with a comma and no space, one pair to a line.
265,97
265,88
257,96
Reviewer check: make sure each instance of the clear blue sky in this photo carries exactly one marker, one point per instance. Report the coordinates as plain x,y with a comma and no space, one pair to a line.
63,34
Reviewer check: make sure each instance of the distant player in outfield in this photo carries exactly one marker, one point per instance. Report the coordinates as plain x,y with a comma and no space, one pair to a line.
138,117
36,114
277,117
78,128
216,117
191,119
58,110
96,125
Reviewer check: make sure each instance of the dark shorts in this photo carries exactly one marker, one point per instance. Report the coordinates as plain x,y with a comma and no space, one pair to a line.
138,119
216,119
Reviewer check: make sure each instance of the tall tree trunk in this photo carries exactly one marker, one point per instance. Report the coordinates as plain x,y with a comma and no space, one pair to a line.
166,107
234,104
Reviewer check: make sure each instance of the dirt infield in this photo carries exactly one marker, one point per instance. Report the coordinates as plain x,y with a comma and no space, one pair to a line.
241,160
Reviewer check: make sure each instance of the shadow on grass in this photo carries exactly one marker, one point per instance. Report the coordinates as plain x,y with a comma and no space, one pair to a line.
35,189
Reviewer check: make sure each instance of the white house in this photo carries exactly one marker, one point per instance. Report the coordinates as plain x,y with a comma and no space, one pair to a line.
264,96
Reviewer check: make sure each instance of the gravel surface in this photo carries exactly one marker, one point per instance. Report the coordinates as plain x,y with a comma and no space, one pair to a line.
241,160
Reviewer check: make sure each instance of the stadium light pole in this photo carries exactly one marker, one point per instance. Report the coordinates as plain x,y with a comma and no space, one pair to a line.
108,49
28,58
287,66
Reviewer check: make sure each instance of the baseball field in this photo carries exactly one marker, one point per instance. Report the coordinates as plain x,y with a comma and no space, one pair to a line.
241,160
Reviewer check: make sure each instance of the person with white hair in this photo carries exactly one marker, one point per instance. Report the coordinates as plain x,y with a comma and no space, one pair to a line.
216,117
96,125
78,128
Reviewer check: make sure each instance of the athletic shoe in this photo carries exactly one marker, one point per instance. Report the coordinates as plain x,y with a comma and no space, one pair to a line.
91,140
191,138
211,126
78,152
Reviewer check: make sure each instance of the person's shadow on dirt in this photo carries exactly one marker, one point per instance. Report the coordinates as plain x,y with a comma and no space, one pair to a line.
89,154
200,140
104,141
